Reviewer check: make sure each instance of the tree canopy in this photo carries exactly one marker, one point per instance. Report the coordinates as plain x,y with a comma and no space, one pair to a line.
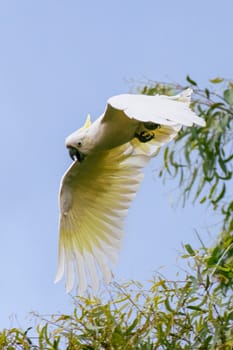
194,312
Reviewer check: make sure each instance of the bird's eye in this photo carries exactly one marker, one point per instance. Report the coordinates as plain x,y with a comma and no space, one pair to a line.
79,144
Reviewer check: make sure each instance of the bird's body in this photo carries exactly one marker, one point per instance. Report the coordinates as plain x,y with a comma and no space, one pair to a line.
96,191
111,132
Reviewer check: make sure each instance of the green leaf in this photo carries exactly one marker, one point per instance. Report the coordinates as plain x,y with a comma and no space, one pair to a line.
203,200
222,164
197,308
168,306
189,249
228,96
213,106
193,178
221,195
207,92
230,316
228,159
165,159
132,326
216,80
192,82
201,185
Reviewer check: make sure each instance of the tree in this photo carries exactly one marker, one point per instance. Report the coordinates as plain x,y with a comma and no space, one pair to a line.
201,161
195,312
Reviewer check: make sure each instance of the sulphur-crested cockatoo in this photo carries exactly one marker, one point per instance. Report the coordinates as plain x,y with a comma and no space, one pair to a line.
97,189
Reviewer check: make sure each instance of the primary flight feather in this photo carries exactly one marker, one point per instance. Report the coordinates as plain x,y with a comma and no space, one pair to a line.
97,189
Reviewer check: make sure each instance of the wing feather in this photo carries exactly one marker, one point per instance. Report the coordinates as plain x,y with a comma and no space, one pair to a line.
164,110
94,199
80,264
103,265
91,268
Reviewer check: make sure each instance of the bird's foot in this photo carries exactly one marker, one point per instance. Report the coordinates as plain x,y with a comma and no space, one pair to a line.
144,136
151,125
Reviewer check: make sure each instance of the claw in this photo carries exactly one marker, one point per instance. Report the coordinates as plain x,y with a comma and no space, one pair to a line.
144,136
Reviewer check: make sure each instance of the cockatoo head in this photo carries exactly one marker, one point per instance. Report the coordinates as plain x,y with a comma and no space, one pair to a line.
76,142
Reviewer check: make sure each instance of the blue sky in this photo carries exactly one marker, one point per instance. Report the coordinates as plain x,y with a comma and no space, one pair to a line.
59,61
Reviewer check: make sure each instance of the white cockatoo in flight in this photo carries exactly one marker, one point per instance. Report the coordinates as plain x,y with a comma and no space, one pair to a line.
97,189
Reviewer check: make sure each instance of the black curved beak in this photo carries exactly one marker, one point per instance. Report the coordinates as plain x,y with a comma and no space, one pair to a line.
75,154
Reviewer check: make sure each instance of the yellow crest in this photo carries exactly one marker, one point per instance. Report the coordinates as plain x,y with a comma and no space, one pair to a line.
87,122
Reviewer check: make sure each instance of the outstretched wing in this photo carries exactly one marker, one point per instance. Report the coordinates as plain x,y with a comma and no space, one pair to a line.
160,109
94,199
170,113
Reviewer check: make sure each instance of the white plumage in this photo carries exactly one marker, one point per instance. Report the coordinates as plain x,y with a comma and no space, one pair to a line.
97,189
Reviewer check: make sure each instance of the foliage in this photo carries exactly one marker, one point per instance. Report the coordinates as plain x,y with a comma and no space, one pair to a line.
201,160
194,312
191,313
